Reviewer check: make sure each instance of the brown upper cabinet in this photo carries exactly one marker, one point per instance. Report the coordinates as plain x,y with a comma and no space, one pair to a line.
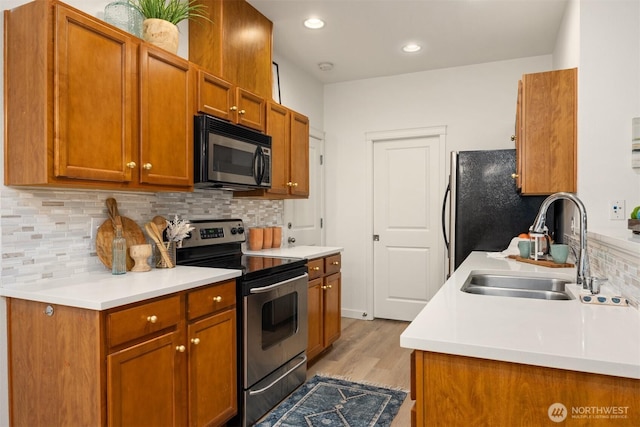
289,132
88,105
221,46
218,97
546,133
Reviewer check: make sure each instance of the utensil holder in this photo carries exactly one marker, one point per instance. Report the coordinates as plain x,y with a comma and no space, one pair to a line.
171,251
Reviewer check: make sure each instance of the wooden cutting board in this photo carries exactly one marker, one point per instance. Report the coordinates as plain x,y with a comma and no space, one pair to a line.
131,232
542,262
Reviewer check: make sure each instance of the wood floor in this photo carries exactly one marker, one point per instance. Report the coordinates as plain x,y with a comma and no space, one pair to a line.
370,351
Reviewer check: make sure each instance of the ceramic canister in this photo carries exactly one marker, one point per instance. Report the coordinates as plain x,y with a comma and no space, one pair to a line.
256,237
277,237
268,238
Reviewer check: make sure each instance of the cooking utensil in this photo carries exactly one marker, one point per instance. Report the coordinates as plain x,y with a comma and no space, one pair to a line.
131,232
160,222
154,233
112,208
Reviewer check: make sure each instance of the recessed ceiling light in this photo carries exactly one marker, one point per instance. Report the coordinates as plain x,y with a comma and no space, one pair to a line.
411,47
314,23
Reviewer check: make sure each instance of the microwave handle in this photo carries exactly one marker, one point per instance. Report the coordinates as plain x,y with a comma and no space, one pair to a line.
258,165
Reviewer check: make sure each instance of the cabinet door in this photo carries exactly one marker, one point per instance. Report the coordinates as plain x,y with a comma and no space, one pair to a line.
299,155
205,38
145,384
212,369
548,149
519,138
214,96
93,100
246,61
250,110
315,343
278,128
166,119
332,312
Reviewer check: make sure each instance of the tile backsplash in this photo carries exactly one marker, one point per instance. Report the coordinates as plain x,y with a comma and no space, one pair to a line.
47,233
620,267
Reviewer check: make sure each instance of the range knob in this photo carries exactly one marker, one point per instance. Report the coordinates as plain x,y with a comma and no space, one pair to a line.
234,230
240,230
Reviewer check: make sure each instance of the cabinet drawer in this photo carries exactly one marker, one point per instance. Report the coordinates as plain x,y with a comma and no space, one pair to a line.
316,268
332,264
131,323
211,299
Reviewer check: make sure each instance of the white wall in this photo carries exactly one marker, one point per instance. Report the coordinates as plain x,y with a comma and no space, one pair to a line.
301,92
477,104
608,98
566,53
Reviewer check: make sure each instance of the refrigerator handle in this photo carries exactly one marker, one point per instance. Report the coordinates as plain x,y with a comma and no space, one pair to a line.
447,192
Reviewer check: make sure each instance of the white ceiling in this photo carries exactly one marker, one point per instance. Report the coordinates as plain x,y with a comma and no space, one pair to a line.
363,38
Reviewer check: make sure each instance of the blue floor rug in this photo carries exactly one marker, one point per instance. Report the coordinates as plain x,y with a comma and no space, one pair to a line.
330,402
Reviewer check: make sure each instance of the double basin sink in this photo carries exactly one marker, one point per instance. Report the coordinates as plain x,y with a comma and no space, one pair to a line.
509,285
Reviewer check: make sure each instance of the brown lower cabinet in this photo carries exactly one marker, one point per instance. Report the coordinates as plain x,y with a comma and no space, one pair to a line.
170,361
324,302
452,390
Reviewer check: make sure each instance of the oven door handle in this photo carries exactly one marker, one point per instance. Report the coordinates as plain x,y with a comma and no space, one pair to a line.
274,286
262,390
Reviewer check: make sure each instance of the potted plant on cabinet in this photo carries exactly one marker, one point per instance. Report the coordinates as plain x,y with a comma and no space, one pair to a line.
161,18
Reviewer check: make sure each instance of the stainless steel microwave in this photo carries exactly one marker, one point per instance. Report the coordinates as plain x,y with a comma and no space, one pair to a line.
228,156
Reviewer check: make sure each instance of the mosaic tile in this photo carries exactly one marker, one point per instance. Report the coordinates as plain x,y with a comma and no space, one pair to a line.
46,233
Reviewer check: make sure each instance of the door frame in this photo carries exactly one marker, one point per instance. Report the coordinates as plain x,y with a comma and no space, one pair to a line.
372,138
318,136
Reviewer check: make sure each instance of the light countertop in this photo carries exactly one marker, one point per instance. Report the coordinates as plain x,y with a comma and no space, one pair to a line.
307,252
557,334
102,290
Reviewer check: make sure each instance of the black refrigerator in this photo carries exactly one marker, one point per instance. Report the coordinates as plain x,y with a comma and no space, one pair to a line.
485,209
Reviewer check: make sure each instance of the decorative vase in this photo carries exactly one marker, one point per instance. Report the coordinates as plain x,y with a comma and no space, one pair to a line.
122,14
161,33
140,254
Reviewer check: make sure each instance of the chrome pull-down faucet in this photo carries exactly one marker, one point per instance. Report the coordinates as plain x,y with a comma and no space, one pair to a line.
583,271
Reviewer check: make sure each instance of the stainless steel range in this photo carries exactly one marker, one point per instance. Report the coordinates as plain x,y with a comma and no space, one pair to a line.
272,314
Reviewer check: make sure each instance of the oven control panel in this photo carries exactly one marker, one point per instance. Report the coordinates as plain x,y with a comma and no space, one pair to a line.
214,232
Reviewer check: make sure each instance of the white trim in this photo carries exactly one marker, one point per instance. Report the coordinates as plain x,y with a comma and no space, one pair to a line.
354,314
371,138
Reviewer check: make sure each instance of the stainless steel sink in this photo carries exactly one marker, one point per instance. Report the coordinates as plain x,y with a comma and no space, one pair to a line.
517,286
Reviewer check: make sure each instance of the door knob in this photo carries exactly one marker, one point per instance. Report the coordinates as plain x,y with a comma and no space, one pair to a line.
147,166
131,165
181,348
291,240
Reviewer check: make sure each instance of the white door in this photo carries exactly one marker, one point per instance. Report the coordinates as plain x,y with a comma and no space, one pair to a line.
303,218
408,247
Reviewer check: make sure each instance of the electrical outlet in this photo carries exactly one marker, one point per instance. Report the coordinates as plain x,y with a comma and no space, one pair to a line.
93,231
616,209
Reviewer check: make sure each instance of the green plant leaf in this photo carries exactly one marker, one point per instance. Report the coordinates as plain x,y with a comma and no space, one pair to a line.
173,11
